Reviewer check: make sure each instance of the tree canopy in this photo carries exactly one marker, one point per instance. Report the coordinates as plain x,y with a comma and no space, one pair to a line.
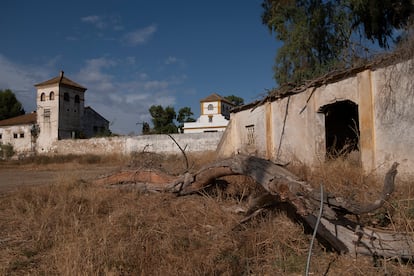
163,119
184,116
322,35
235,100
9,105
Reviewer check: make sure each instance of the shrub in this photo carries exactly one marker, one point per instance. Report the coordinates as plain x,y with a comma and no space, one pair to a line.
6,151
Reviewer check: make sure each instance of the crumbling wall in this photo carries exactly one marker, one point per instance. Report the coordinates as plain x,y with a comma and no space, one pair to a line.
288,129
294,127
196,142
394,116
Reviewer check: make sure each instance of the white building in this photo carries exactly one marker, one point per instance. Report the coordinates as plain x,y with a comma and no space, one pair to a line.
60,114
19,132
214,115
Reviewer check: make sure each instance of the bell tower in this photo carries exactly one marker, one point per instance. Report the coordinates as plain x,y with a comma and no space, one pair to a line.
60,106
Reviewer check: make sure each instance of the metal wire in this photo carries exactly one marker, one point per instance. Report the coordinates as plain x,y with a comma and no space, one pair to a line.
314,233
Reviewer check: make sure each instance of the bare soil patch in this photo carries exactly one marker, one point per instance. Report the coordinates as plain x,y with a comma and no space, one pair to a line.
13,176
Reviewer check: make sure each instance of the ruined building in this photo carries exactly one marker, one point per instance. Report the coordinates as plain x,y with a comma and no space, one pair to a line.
367,111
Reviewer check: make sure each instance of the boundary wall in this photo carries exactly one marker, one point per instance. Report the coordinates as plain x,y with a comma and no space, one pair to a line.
191,142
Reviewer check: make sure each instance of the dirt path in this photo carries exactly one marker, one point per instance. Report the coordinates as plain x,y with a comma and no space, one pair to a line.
15,176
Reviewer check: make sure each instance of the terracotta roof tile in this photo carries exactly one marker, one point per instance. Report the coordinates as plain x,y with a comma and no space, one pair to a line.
20,120
62,80
215,97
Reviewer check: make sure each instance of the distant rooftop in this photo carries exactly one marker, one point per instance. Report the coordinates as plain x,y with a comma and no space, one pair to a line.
25,119
61,79
215,97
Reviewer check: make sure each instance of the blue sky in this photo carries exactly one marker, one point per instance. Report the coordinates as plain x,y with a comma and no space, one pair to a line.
134,54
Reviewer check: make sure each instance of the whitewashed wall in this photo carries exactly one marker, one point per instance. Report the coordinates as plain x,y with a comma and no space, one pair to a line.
18,136
193,142
394,116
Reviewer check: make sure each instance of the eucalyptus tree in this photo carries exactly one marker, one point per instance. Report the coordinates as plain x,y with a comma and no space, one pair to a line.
322,35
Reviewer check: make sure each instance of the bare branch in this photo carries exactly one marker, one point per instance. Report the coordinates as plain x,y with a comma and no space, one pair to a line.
182,151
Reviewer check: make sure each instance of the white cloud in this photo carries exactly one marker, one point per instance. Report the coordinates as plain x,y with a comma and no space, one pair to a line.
104,22
131,60
91,19
143,76
139,36
93,70
20,79
132,98
95,20
126,101
170,60
123,100
155,85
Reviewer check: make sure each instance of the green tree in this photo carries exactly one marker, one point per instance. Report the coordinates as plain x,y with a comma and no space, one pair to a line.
145,128
9,105
235,100
184,116
321,35
379,19
163,119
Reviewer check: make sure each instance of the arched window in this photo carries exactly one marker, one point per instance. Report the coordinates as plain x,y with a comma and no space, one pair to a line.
51,95
210,107
42,97
77,99
66,97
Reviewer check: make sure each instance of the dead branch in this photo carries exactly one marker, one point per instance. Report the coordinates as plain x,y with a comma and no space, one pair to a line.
335,229
182,151
340,233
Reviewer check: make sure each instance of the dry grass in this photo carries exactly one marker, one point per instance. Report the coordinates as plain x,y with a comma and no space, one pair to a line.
346,178
61,159
75,228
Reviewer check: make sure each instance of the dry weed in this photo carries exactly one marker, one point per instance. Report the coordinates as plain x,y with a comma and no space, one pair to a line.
76,228
343,177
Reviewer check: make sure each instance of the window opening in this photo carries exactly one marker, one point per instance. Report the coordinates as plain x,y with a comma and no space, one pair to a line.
250,135
210,107
210,119
341,128
51,96
77,99
46,114
42,97
66,97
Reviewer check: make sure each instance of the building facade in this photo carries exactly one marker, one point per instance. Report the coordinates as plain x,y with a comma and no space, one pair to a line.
367,112
214,115
60,114
19,132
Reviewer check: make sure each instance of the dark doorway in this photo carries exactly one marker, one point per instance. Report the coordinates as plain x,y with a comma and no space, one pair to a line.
341,128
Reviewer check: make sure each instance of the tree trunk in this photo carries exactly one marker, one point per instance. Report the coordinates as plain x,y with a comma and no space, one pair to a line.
335,229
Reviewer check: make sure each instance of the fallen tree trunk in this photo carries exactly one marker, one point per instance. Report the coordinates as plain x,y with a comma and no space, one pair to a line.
335,229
